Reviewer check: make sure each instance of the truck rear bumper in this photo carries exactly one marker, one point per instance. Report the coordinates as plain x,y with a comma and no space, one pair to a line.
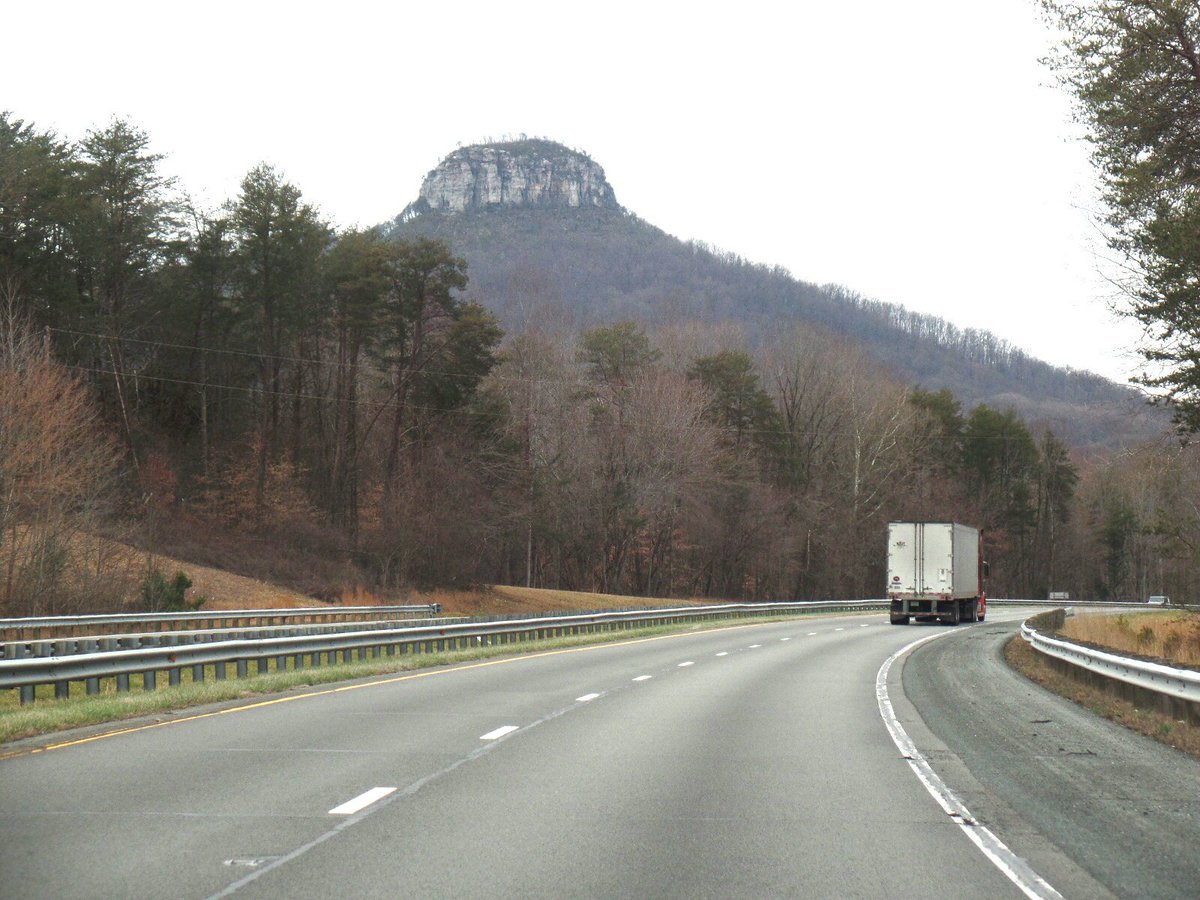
921,607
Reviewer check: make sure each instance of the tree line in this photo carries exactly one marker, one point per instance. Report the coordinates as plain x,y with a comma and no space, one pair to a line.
336,408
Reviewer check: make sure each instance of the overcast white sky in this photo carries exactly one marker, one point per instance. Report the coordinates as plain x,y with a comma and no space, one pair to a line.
915,152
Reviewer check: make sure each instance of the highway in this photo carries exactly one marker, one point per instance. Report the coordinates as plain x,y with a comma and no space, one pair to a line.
745,762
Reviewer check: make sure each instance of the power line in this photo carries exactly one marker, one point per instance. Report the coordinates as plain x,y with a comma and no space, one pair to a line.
291,395
299,360
467,412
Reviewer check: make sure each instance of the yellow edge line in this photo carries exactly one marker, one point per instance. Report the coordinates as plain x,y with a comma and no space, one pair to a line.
352,687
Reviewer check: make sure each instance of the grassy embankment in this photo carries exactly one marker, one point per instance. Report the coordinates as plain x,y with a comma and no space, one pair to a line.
1172,637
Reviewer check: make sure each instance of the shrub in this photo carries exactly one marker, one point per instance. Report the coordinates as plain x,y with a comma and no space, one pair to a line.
160,595
1171,645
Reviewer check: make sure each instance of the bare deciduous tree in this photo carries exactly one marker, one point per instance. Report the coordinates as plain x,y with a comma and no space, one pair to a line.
55,470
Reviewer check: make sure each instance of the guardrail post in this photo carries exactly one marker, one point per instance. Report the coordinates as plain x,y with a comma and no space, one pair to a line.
25,693
198,674
242,668
122,682
174,677
149,680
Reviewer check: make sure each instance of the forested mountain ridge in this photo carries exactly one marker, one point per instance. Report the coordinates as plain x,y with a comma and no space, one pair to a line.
543,236
252,388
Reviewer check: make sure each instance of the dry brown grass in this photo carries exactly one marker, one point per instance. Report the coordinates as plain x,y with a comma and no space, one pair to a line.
1152,723
97,575
1173,636
119,568
223,590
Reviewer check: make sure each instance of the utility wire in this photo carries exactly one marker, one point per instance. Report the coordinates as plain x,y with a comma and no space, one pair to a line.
467,412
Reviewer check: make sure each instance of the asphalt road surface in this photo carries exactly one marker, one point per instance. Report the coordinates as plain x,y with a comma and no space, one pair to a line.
746,762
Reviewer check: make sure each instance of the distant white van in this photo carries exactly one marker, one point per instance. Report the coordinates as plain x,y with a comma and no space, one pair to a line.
1159,600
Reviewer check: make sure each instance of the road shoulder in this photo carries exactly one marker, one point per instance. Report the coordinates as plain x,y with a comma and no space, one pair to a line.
1073,795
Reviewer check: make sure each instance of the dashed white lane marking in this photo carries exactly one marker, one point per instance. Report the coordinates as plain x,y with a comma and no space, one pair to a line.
810,634
723,653
785,639
643,678
586,697
1030,883
362,801
839,629
865,625
499,732
755,646
688,663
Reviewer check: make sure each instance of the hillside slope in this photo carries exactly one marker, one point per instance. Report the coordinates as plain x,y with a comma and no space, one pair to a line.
585,262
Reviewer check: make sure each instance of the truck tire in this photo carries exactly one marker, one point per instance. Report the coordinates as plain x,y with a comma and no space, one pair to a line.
899,620
955,614
972,611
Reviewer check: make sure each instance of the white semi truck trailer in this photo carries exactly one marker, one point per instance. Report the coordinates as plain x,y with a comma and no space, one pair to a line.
935,571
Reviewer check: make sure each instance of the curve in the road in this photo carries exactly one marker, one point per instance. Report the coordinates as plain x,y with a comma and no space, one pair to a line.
739,762
1017,870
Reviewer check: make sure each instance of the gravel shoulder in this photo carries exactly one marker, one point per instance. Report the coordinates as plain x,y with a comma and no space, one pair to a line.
1096,809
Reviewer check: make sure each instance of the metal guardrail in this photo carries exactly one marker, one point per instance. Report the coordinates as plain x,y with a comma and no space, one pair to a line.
311,650
214,618
29,663
1093,604
1182,684
116,643
92,643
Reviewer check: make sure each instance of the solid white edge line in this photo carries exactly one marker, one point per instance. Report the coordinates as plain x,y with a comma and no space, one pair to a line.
362,801
1019,872
586,697
499,732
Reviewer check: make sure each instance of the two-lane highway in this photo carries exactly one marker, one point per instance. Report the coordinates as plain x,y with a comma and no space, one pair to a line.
748,761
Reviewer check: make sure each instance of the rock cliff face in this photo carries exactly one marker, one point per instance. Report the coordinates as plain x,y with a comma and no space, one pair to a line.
531,173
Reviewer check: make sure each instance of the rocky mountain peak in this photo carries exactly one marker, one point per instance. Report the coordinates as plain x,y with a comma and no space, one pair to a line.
524,173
